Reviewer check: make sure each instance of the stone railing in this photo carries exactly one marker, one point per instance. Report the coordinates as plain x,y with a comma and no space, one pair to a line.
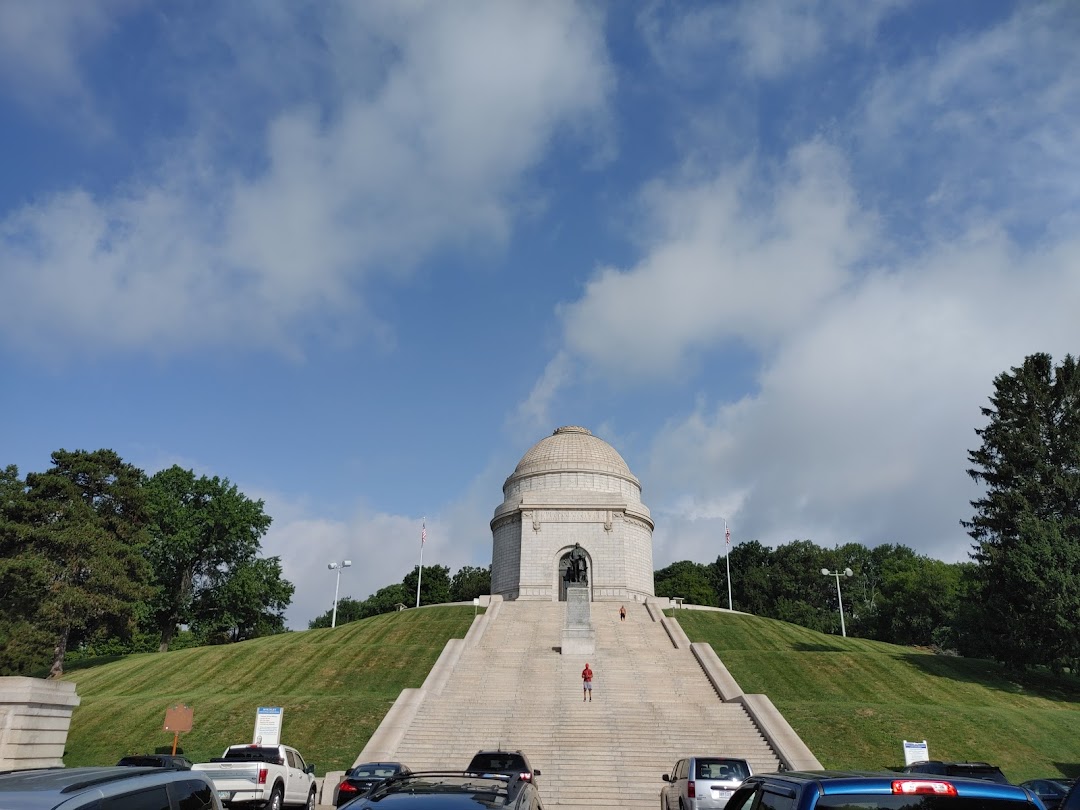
35,715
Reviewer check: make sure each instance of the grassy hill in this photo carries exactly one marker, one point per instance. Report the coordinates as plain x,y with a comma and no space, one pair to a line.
855,701
335,687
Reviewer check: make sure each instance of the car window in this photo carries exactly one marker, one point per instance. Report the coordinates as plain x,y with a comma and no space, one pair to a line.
681,769
155,798
497,762
192,794
721,769
743,799
775,801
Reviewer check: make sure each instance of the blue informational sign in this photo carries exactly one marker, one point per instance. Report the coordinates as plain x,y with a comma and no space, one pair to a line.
268,725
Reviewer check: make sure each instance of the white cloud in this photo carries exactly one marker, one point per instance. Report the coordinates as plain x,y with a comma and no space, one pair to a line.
41,44
727,261
770,37
863,420
383,548
987,121
191,255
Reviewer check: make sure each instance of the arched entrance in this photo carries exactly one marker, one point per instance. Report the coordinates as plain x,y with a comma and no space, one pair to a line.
560,573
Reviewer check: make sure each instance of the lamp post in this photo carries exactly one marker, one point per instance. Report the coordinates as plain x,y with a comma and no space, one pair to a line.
337,566
847,572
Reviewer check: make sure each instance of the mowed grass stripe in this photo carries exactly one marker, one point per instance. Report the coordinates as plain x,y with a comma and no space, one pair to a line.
334,685
854,701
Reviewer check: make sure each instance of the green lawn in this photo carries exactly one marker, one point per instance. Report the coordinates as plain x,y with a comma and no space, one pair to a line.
335,687
854,701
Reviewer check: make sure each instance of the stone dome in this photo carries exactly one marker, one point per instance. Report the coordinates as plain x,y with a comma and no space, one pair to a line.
572,449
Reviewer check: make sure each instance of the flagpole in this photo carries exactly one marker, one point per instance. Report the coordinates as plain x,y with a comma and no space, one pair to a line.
727,561
420,571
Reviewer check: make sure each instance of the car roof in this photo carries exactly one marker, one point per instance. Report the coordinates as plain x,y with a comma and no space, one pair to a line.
447,788
842,782
51,787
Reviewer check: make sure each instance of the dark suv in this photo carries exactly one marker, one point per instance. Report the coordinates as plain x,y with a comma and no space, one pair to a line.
510,763
841,790
115,788
450,790
971,770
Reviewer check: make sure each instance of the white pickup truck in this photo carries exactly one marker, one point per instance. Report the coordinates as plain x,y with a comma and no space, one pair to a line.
263,776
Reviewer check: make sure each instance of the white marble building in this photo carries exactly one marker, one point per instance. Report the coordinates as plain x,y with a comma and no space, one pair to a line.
572,487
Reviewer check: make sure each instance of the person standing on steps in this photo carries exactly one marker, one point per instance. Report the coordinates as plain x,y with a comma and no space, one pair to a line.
622,613
586,683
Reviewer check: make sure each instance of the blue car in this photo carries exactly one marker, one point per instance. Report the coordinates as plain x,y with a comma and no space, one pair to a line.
840,790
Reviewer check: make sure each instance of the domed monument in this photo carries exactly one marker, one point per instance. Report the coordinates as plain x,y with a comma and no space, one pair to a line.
570,490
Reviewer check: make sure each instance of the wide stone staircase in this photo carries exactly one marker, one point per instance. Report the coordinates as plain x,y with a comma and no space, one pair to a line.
651,705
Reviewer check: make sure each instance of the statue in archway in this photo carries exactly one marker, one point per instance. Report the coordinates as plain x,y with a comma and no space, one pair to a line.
577,572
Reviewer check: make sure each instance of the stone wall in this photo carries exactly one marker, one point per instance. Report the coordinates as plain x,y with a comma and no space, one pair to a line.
35,715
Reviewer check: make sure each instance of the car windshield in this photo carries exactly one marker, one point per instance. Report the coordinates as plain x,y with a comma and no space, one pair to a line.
724,769
916,802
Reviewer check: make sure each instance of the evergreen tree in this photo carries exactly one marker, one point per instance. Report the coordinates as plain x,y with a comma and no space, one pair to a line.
78,553
1026,527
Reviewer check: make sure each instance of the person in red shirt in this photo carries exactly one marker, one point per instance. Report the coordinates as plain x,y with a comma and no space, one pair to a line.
586,683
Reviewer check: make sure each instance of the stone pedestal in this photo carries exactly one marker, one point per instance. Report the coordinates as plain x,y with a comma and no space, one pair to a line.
578,636
35,715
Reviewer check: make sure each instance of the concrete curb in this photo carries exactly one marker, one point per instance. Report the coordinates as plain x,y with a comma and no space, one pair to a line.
793,753
726,686
678,636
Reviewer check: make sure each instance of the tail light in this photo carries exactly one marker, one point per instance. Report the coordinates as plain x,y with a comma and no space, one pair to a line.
691,791
932,786
347,787
525,777
262,774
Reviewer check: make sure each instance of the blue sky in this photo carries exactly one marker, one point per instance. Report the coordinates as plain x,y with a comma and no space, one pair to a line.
359,257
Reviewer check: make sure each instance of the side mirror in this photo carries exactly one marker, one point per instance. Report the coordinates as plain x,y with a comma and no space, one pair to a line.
537,772
310,769
666,777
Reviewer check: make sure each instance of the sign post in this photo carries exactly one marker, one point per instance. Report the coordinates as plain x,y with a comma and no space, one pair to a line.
267,726
178,718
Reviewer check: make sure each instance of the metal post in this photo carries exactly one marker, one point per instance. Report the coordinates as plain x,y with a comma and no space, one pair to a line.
419,574
840,601
337,585
727,562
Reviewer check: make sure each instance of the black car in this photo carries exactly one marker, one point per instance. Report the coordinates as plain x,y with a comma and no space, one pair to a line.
450,790
1051,791
361,778
969,770
510,763
173,761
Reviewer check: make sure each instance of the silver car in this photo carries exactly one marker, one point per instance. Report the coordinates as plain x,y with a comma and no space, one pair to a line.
702,783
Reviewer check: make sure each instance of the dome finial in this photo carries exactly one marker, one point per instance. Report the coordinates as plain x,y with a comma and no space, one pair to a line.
571,429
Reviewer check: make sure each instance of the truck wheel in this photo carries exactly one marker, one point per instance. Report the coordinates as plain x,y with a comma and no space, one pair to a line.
274,802
311,800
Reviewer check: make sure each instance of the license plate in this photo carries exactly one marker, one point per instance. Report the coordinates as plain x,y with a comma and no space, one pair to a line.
723,794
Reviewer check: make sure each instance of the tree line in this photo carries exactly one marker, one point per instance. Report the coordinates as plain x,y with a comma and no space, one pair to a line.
437,587
98,558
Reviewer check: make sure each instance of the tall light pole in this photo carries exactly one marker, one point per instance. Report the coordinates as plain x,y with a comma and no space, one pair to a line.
337,566
847,572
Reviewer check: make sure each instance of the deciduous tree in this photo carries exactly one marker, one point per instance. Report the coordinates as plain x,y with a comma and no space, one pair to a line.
204,534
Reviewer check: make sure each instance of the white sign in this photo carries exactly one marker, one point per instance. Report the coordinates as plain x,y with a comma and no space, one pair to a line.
268,726
915,752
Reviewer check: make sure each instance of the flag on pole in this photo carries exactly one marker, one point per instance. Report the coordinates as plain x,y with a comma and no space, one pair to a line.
423,533
727,534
